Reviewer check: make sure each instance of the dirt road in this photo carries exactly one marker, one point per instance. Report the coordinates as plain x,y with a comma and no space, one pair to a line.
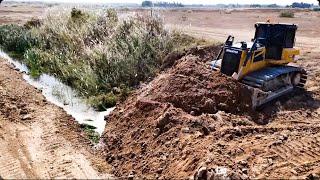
38,139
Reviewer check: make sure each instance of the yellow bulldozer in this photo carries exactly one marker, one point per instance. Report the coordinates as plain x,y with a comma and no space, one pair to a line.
266,65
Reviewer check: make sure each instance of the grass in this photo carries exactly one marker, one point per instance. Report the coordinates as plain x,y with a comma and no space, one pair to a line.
95,52
89,130
287,14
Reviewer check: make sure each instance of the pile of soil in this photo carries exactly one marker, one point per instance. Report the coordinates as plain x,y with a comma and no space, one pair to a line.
192,86
168,127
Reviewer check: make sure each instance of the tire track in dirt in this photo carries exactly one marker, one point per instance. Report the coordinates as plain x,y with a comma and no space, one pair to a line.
298,156
12,165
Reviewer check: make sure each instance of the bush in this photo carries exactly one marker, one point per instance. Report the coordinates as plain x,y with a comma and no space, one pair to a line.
33,23
15,38
104,101
287,14
316,9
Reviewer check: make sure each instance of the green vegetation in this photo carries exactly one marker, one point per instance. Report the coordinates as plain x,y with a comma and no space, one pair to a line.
316,9
301,5
94,52
103,101
287,14
89,130
147,4
161,4
15,39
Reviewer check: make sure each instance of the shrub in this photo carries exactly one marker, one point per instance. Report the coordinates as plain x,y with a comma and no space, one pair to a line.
33,23
104,101
287,14
15,38
33,61
316,9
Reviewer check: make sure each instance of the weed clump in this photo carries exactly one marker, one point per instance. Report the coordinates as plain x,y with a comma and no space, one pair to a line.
287,14
103,101
90,131
95,52
33,23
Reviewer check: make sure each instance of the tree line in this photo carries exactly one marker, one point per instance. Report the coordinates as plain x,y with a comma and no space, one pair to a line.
301,5
293,5
161,4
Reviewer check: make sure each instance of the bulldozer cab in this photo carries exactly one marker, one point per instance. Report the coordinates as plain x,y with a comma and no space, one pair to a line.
275,37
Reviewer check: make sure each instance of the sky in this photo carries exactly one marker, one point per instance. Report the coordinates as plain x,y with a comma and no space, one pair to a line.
280,2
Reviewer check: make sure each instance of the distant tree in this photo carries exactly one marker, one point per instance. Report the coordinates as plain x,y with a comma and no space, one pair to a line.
319,2
168,4
301,5
2,0
161,4
257,5
273,6
147,4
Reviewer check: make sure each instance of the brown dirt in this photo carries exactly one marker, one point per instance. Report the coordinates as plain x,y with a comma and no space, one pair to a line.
192,86
191,117
38,139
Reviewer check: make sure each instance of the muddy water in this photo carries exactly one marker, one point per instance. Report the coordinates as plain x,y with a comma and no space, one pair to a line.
63,96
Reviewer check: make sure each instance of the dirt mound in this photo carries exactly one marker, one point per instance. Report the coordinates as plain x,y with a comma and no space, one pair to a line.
163,129
205,53
192,86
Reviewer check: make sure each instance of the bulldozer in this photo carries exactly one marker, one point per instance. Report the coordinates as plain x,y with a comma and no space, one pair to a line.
266,65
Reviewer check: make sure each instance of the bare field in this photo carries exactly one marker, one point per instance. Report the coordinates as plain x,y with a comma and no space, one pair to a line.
19,13
218,24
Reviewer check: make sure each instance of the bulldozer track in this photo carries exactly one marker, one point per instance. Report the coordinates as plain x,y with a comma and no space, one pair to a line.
12,167
34,151
298,156
304,78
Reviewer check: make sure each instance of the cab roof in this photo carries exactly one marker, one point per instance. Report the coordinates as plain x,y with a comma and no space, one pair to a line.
275,24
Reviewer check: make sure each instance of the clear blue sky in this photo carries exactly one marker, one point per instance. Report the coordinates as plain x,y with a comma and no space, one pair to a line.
280,2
